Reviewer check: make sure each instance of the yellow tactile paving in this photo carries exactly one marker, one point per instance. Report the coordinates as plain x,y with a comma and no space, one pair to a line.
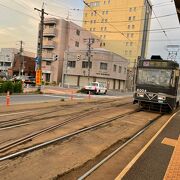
173,170
170,142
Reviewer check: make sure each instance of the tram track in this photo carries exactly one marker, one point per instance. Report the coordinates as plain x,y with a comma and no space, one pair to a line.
38,109
118,148
58,139
29,119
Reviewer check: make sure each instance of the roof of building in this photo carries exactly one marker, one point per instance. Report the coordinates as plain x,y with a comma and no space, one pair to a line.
177,3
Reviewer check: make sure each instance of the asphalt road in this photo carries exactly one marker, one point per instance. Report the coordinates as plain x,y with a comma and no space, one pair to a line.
23,99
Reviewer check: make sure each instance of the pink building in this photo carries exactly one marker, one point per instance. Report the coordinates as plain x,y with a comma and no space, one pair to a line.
60,36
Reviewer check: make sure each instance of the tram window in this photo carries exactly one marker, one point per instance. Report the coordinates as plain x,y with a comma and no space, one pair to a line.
173,79
159,77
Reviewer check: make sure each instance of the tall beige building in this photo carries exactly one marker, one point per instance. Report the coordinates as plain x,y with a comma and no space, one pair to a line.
122,25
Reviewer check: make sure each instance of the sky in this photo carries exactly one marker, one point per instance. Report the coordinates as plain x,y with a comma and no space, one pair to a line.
19,21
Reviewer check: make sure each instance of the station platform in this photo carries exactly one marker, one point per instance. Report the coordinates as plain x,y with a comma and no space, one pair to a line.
160,158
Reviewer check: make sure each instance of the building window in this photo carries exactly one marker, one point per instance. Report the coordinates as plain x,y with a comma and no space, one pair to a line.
127,35
129,18
105,28
95,4
120,68
124,70
103,66
104,44
131,43
76,43
104,2
104,36
48,63
78,32
126,52
94,21
132,35
127,43
109,1
71,64
103,12
107,12
102,20
114,68
129,26
134,18
106,20
90,29
130,52
102,28
85,64
130,9
94,29
133,26
134,8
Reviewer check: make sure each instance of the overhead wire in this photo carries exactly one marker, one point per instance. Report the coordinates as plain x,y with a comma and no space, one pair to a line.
107,22
19,11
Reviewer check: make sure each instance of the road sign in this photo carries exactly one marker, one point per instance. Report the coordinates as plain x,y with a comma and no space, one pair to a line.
38,77
37,60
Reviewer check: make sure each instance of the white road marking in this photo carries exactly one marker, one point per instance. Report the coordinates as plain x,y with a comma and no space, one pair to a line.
10,114
127,168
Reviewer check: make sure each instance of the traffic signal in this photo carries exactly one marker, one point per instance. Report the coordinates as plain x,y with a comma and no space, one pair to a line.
56,57
78,57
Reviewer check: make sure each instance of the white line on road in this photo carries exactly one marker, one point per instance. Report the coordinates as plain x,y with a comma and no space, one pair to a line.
10,114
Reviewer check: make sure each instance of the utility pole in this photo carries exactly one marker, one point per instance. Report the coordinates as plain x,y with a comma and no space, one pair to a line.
21,68
89,57
90,42
40,46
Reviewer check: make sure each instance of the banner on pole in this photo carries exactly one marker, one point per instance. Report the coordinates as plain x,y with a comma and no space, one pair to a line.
38,77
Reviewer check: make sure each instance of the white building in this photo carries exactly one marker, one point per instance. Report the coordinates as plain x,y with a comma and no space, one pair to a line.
105,66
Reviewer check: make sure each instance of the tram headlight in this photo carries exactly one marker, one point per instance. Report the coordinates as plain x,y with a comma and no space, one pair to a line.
140,94
161,97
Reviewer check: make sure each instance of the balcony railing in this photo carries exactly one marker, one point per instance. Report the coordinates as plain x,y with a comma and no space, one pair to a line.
47,56
50,21
48,45
49,32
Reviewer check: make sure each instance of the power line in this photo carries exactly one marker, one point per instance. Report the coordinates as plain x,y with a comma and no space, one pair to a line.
160,24
129,21
127,9
19,11
107,22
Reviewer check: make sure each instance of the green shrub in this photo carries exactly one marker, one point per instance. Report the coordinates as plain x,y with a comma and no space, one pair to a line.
1,87
47,83
8,86
18,87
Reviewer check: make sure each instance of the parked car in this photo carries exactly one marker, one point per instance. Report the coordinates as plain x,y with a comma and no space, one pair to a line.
96,88
30,80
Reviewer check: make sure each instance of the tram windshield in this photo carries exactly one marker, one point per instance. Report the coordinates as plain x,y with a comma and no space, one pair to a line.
161,77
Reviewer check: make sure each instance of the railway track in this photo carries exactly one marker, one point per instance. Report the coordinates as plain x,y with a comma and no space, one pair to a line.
59,139
29,119
37,109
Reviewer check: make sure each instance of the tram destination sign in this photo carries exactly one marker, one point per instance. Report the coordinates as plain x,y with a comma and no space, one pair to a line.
157,64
